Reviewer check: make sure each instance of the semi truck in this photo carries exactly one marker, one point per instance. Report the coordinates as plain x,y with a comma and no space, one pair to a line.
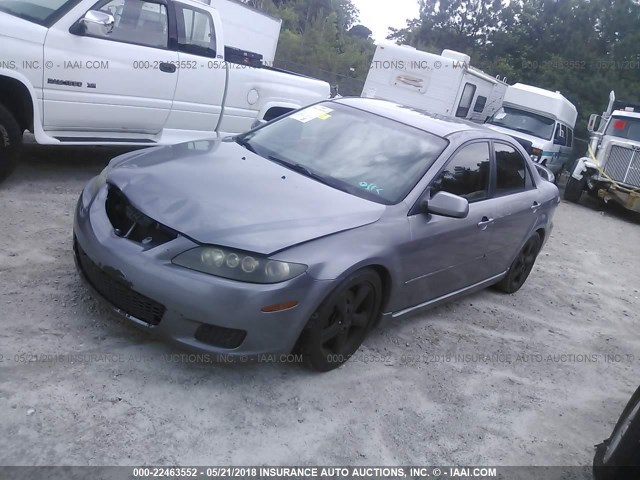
137,72
610,170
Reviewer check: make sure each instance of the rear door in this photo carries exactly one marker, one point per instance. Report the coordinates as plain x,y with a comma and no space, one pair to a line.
122,81
197,103
516,204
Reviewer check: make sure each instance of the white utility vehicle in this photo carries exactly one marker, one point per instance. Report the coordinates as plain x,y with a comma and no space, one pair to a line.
542,118
442,84
611,169
136,72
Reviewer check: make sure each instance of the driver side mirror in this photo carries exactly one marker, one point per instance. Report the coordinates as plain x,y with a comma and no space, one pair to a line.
103,22
594,119
445,204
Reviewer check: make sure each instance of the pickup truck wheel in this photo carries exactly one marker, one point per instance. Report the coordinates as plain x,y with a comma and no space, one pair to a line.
617,457
573,190
10,142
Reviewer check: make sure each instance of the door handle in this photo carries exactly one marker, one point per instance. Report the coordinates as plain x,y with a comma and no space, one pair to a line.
535,206
485,222
167,67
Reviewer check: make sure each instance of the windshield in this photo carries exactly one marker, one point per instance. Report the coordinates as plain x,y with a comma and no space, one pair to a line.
42,12
525,122
624,127
355,151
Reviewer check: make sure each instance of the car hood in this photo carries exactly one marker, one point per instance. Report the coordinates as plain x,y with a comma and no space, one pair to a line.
217,192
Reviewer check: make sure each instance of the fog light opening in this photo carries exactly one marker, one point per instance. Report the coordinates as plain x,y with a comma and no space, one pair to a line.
280,307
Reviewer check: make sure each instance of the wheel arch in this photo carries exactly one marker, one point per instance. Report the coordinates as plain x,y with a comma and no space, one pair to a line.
18,98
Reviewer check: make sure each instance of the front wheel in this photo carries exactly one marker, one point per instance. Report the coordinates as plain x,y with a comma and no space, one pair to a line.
10,142
617,458
337,329
521,266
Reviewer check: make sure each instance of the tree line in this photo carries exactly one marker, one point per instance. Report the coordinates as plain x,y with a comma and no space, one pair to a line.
583,48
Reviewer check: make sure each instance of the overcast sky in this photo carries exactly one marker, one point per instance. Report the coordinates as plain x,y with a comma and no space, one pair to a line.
380,14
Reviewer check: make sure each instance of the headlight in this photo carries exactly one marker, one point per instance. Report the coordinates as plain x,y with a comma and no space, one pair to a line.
235,265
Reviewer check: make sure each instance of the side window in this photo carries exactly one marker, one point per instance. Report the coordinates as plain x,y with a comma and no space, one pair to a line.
511,170
467,173
561,134
465,100
569,137
480,104
196,33
136,21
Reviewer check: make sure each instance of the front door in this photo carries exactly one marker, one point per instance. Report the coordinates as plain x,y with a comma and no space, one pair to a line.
122,81
449,254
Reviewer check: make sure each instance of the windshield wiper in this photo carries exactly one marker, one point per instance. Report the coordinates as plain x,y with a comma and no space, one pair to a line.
304,170
245,144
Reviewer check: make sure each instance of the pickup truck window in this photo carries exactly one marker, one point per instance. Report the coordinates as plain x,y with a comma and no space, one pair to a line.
196,33
136,21
42,12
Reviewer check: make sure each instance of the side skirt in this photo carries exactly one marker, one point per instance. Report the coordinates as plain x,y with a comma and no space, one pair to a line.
448,297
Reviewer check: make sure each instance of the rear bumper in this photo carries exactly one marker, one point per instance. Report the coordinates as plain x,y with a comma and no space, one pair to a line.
187,307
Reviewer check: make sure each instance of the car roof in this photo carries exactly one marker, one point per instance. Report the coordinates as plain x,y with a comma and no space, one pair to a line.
429,122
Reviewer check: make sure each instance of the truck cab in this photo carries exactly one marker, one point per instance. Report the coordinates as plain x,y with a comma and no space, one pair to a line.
541,118
610,170
132,72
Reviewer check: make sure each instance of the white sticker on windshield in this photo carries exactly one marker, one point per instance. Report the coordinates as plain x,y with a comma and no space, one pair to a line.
500,116
316,112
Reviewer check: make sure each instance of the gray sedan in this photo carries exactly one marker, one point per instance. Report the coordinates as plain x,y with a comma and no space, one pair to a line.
302,234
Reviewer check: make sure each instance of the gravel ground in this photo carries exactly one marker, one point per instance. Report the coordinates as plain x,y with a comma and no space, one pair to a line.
491,379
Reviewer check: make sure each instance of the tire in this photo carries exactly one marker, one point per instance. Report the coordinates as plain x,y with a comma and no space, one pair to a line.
341,323
573,190
521,266
10,142
617,458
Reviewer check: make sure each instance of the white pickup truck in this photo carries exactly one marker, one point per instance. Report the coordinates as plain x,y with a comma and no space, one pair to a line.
131,72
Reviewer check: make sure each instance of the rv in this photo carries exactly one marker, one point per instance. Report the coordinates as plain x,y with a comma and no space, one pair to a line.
441,84
545,119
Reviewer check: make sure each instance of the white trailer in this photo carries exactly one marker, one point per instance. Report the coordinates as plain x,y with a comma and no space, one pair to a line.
247,28
442,84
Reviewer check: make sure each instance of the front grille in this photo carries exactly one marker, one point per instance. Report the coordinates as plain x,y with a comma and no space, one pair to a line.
227,338
130,223
118,293
623,165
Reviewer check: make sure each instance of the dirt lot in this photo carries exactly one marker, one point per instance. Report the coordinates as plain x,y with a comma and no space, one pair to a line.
492,379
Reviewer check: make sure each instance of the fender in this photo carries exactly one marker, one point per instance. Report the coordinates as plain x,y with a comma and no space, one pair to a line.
41,136
582,166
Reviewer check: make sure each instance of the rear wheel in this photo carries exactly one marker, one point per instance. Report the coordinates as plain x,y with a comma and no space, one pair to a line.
10,142
617,458
336,330
521,266
573,190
